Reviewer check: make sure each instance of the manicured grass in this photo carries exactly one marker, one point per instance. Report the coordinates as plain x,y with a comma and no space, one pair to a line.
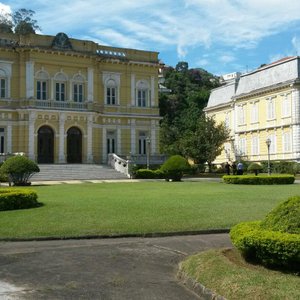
226,273
128,208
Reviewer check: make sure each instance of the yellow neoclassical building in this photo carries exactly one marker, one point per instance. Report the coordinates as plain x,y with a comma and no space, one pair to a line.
65,100
258,106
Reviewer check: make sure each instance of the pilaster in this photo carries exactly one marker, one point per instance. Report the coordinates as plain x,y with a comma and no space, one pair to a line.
61,150
90,84
90,139
133,89
29,79
32,118
133,137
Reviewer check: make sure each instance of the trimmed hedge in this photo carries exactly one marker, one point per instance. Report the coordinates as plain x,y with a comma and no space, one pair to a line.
174,168
149,174
11,199
252,179
271,248
285,217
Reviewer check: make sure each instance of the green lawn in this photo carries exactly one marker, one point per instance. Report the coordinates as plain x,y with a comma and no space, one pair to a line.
124,208
227,274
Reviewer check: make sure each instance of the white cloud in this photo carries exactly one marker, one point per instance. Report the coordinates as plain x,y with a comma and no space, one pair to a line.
183,25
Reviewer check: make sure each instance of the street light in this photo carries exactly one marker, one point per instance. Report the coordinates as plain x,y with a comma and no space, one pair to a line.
268,142
148,151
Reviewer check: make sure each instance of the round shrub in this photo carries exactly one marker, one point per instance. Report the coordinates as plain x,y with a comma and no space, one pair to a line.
254,168
19,169
11,199
285,217
174,168
275,241
261,179
270,248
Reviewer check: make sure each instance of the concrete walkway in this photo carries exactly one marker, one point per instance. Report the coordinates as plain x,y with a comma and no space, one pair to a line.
131,268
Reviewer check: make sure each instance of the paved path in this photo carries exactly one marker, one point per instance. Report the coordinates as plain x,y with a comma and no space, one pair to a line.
122,268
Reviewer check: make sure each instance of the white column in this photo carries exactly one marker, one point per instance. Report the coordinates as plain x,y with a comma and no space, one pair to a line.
296,123
9,137
133,137
152,91
90,139
90,84
70,94
29,79
61,145
133,89
153,136
32,118
104,152
119,144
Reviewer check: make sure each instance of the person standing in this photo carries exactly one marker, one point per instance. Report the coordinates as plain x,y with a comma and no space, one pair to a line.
227,168
240,168
233,168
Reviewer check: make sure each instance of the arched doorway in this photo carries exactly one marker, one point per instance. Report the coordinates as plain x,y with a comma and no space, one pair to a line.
45,145
74,145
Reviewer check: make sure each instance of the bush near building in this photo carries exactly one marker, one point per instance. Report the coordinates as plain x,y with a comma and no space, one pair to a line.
19,170
264,179
275,241
175,167
11,199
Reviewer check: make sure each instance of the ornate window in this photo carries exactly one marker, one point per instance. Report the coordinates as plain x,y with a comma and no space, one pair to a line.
111,142
241,115
42,83
142,94
3,84
111,82
78,88
243,146
111,92
142,143
60,87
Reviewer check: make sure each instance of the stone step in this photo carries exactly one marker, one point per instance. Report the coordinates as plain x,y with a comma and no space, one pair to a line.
75,172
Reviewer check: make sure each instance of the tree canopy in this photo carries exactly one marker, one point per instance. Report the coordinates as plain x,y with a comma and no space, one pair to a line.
185,130
19,22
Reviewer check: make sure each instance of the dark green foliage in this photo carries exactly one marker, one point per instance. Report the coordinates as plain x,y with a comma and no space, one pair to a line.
270,248
175,167
182,109
19,169
149,174
285,217
251,179
11,199
23,22
281,167
254,168
6,24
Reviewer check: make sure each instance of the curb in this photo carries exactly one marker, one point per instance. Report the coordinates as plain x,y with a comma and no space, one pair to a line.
197,287
115,236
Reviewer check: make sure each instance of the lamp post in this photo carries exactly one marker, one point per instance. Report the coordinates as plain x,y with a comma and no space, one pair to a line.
268,142
148,151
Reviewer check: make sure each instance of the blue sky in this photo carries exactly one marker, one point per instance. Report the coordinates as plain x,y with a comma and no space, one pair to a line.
221,36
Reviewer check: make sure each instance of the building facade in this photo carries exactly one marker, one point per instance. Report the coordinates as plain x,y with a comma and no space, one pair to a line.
64,100
259,106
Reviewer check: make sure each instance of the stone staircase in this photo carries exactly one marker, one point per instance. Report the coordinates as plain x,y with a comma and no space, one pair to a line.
61,172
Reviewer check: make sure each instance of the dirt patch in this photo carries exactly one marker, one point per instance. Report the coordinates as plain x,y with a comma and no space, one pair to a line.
236,258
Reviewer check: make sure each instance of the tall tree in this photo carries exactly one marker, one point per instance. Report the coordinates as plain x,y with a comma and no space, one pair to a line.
23,21
6,24
204,143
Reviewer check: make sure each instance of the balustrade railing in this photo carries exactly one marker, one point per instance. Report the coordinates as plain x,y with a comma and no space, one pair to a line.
119,164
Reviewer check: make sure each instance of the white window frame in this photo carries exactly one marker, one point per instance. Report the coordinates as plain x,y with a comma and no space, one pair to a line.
254,112
241,115
3,87
41,89
142,95
60,87
286,106
243,146
111,92
142,143
287,142
78,88
255,145
271,114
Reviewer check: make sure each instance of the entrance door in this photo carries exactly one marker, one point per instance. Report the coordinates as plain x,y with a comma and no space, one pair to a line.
74,146
45,145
